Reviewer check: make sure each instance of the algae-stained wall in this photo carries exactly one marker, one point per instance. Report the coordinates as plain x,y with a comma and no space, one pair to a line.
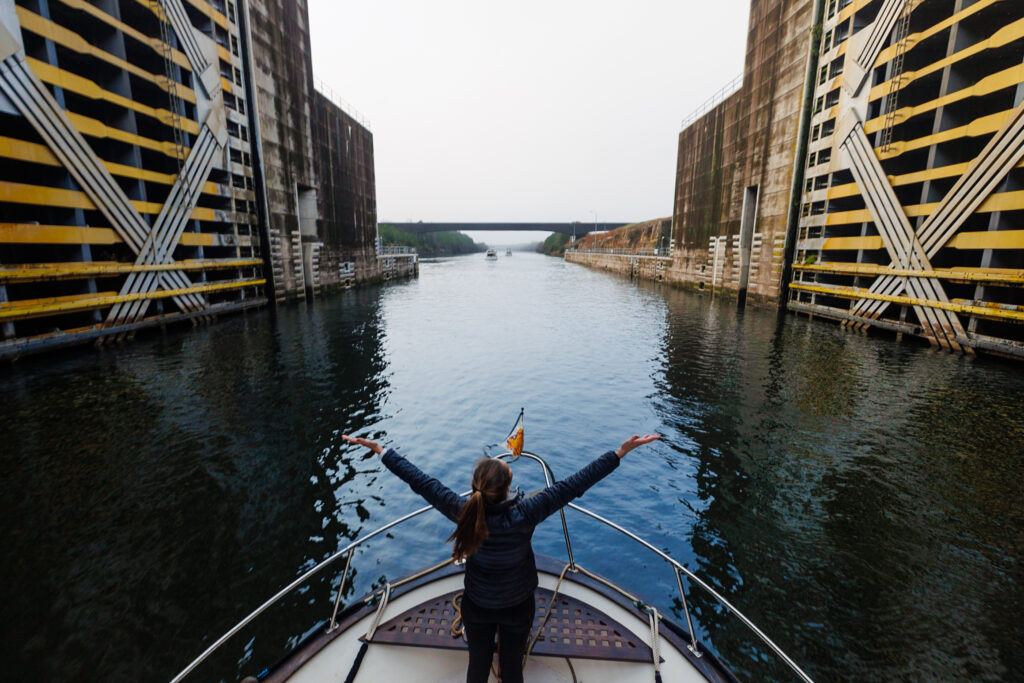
348,201
283,77
748,141
317,162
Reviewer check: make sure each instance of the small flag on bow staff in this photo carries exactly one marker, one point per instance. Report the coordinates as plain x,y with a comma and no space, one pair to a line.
514,440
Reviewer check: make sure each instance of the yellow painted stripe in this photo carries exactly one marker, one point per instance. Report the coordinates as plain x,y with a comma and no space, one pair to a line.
97,129
19,193
886,55
29,233
860,293
867,243
1000,38
71,40
157,45
849,10
992,239
981,126
36,308
1003,201
37,272
851,189
83,86
210,11
997,81
21,150
203,7
1004,275
42,195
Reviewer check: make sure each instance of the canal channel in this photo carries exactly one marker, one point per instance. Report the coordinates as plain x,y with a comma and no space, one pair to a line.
860,500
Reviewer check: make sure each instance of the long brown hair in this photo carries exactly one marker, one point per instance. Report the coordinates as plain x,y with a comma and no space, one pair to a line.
490,483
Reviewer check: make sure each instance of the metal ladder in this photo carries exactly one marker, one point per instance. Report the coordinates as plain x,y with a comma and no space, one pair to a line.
173,100
901,32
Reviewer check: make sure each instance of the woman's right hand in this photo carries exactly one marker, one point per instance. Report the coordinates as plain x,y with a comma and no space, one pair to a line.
634,441
360,441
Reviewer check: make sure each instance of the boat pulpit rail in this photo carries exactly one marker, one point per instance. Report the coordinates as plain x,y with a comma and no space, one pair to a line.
348,551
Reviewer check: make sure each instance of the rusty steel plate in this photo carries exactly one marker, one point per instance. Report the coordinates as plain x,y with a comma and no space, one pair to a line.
574,629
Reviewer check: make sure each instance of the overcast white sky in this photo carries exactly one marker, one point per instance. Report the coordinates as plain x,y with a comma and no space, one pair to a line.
529,110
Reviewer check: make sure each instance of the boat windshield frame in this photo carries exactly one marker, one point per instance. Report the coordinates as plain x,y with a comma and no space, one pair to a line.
349,550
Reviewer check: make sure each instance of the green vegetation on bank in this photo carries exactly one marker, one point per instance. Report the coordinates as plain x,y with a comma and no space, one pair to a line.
554,245
431,243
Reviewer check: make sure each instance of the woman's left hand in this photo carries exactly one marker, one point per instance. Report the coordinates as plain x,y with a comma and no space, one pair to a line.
359,441
634,441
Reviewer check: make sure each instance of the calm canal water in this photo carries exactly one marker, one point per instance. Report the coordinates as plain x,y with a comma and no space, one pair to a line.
860,500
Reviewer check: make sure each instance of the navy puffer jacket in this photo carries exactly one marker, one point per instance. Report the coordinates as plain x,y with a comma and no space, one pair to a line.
503,572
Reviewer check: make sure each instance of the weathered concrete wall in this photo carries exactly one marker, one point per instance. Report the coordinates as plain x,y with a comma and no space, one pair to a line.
631,265
347,192
283,74
748,141
317,160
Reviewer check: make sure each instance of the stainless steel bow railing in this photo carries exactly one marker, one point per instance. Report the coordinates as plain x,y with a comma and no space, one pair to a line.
349,550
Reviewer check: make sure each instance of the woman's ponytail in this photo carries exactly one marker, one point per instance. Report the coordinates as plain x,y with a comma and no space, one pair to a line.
490,483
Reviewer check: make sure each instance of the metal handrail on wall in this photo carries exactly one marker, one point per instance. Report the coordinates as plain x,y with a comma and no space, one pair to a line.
397,251
342,104
620,252
349,551
713,101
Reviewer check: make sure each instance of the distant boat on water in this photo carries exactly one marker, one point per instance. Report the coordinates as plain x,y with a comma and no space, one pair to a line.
492,255
508,252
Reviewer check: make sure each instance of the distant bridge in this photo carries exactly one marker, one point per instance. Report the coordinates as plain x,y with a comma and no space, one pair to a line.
577,228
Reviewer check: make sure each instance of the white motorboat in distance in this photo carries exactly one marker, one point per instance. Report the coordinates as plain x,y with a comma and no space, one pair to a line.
587,627
492,255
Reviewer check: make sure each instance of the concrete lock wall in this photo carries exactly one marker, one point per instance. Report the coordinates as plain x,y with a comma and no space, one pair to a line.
639,250
348,199
737,161
318,161
128,188
910,219
159,165
905,211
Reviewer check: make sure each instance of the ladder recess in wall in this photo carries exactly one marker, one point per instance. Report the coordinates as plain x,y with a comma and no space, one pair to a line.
755,258
901,33
173,101
778,256
297,270
716,259
734,275
276,261
314,267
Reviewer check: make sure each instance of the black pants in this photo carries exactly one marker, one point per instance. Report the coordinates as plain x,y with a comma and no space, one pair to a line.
512,625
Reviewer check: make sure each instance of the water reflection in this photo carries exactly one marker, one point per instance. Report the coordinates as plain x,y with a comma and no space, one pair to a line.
859,499
164,489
